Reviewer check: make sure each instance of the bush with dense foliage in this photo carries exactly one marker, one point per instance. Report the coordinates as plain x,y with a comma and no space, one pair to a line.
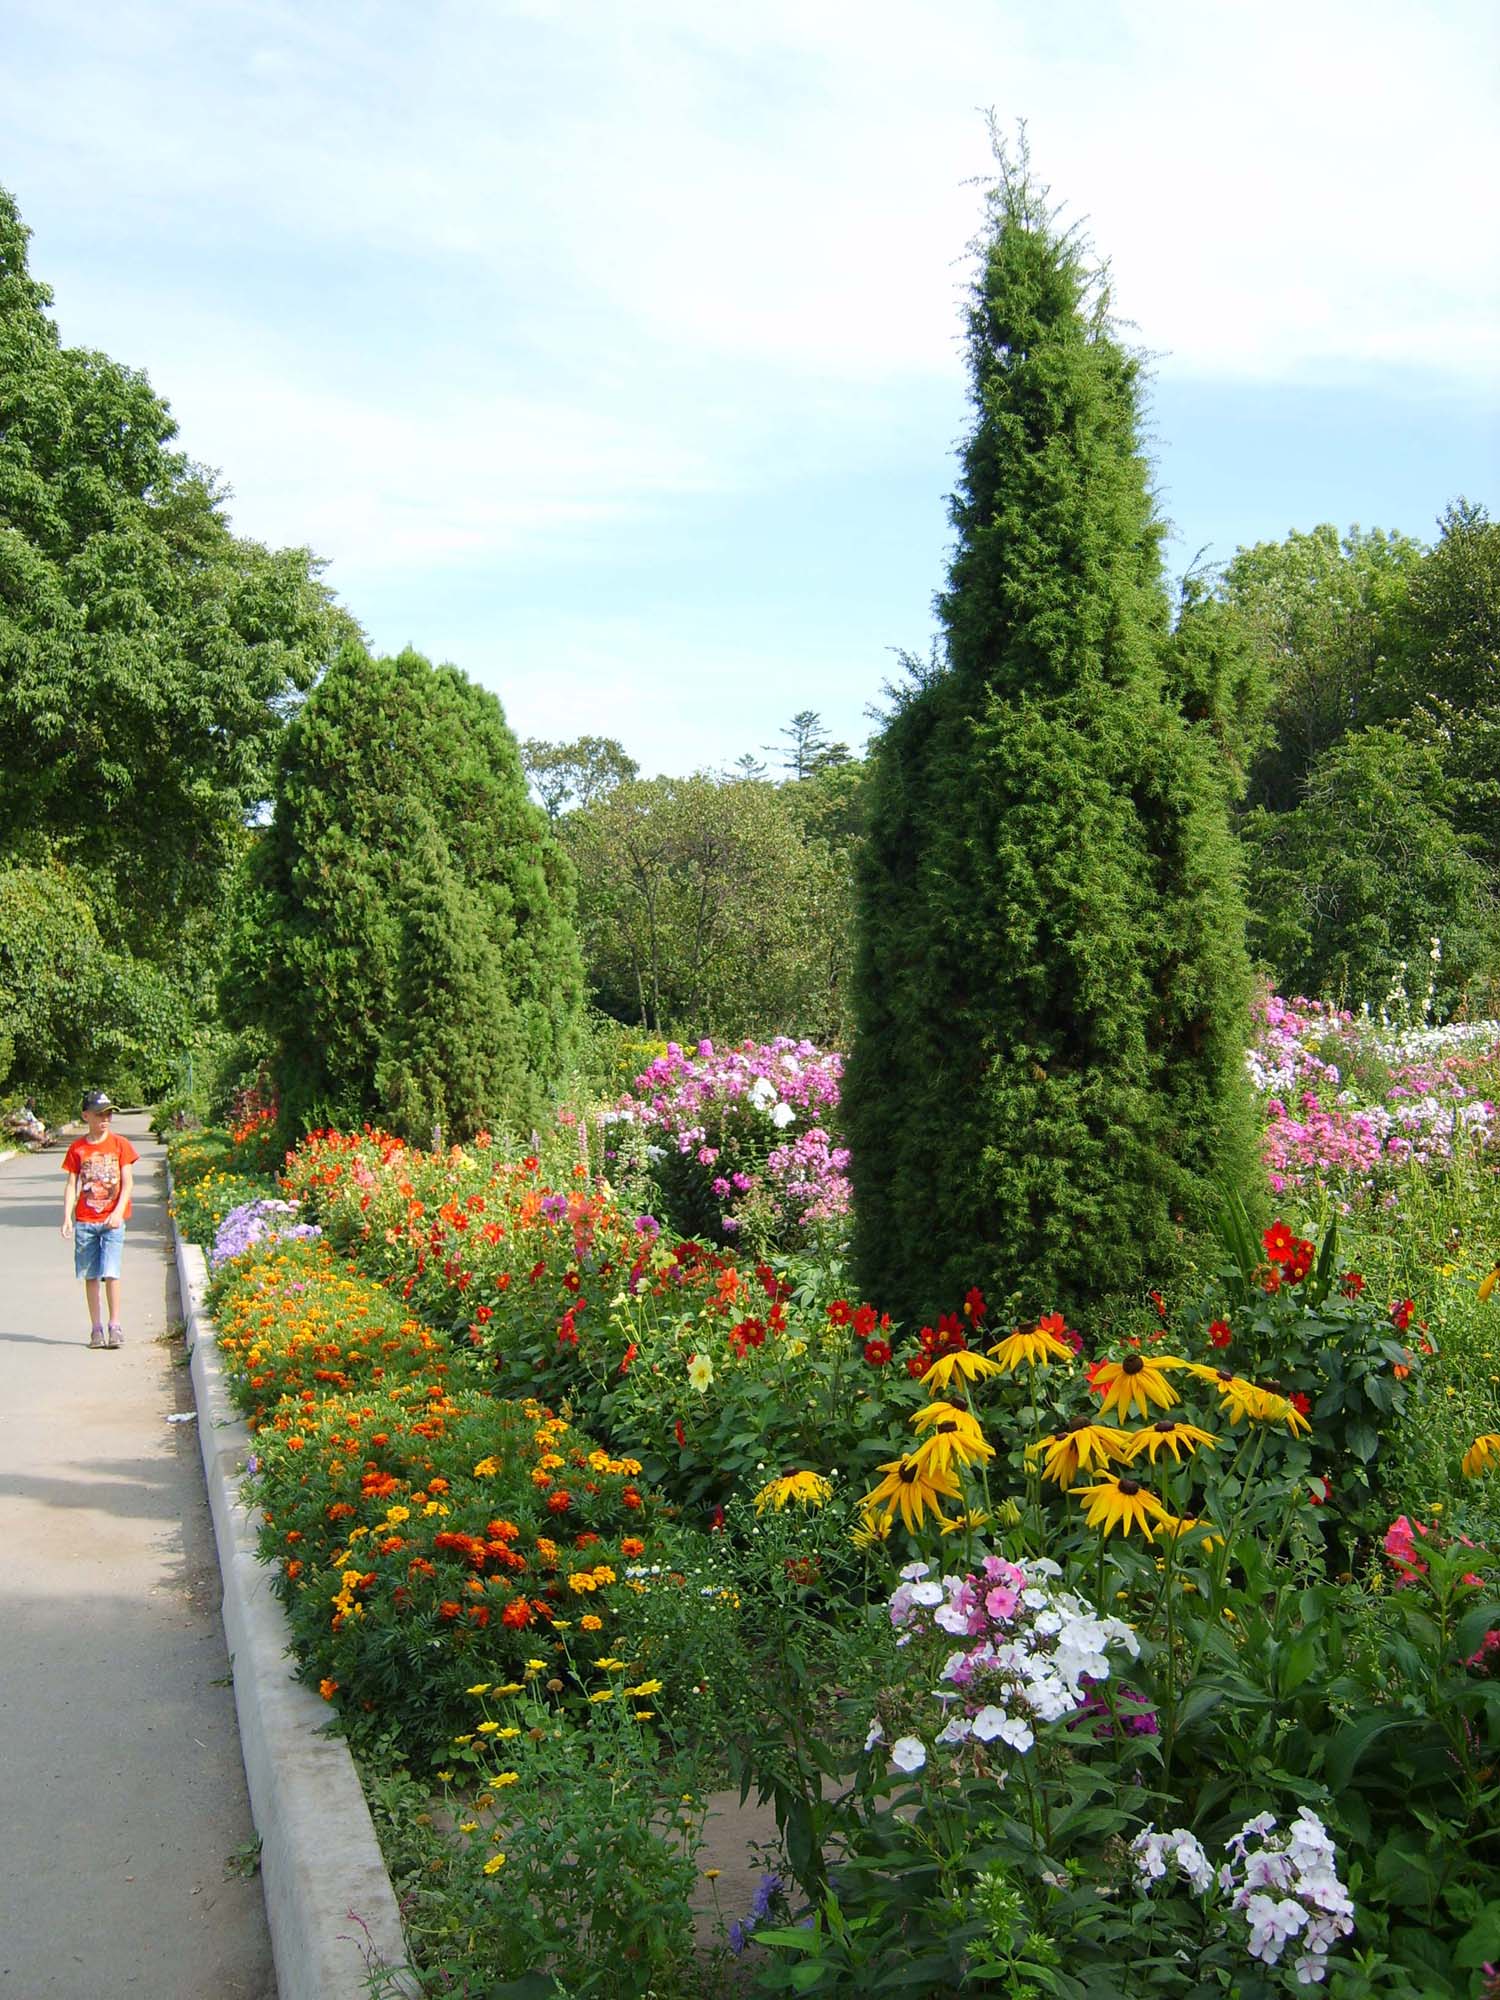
406,939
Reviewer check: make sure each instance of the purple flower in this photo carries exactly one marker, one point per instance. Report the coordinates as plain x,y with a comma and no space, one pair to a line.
766,1892
647,1226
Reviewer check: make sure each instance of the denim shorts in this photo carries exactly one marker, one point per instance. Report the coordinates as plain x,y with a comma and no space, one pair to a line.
97,1250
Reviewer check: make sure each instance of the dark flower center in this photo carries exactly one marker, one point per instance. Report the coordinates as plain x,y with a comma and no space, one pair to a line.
1130,1487
1132,1364
907,1474
1166,1426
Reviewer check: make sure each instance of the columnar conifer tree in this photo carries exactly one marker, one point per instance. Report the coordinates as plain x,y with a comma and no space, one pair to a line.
1052,994
406,938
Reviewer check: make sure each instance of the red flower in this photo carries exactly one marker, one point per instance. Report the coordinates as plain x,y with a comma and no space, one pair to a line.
1300,1402
479,1614
1219,1334
567,1332
537,1270
449,1610
1279,1242
1160,1304
840,1312
974,1305
716,1521
571,1281
517,1613
628,1356
877,1352
1319,1491
917,1366
484,1314
531,1163
632,1498
679,1433
1351,1284
864,1322
560,1501
632,1545
1401,1314
1300,1262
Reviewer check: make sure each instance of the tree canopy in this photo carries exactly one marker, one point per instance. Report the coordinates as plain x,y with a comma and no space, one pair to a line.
148,656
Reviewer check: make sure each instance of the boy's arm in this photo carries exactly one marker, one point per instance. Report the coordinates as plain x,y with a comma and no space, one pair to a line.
70,1202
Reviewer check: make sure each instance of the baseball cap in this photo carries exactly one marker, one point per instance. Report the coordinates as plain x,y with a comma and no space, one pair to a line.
98,1100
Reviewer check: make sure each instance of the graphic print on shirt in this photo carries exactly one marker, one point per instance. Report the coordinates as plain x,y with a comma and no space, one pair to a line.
98,1182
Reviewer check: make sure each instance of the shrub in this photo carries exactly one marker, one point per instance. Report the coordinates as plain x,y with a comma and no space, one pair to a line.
405,936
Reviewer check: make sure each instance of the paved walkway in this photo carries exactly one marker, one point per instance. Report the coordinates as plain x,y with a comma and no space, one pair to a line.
122,1795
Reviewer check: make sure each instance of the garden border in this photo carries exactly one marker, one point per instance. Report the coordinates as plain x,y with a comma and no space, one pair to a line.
329,1902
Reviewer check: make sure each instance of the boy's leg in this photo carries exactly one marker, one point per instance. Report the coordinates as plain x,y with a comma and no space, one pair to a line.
113,1252
91,1293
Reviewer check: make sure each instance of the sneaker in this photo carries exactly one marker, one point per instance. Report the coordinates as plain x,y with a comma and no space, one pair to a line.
96,1338
115,1337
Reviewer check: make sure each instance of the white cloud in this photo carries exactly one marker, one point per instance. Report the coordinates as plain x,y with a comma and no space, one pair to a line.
443,283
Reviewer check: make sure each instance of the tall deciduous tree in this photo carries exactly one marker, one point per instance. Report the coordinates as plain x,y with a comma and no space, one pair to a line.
147,656
705,911
1052,990
406,937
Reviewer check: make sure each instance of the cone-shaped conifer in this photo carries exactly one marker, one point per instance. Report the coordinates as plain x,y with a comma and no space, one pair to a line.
407,937
1047,1078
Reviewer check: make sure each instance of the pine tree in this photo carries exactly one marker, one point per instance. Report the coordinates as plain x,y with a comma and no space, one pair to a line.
1052,991
406,937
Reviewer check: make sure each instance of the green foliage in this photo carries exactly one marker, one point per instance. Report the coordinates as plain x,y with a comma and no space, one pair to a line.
566,775
147,655
405,935
1359,878
1052,991
1325,617
72,1012
704,911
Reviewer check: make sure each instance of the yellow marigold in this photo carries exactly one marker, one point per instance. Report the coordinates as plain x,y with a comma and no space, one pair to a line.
589,1623
582,1580
495,1863
487,1468
1488,1283
503,1778
479,1687
486,1728
604,1694
645,1688
1482,1454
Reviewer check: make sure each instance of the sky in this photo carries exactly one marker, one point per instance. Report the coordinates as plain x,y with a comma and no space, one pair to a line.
613,351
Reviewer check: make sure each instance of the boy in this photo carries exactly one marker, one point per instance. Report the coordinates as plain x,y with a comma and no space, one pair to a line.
96,1206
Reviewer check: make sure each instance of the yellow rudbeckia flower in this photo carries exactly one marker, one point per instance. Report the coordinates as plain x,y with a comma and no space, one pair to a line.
1081,1447
1032,1346
811,1489
1134,1383
1124,1503
962,1362
1169,1435
911,1491
1482,1454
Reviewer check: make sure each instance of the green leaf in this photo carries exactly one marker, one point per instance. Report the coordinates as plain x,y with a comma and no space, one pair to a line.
1353,1740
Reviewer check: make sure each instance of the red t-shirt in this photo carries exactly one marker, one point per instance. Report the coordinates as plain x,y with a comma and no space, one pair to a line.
99,1169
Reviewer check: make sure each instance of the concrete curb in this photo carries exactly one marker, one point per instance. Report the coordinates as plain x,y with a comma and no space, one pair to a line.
329,1902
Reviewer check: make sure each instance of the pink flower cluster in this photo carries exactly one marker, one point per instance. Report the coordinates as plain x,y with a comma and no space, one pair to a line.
1320,1126
752,1116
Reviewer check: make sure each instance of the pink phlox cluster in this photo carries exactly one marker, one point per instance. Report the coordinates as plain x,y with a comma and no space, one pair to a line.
1283,1886
729,1109
1031,1651
1400,1545
1316,1124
